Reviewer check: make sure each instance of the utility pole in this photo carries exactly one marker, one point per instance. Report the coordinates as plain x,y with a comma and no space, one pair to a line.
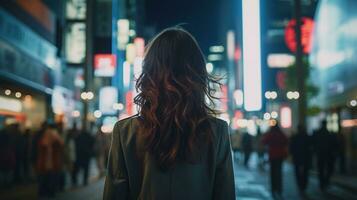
300,68
88,61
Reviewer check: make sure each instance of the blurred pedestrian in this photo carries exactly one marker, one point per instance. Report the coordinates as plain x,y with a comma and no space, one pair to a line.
84,144
326,146
7,158
247,147
236,143
20,153
341,154
301,150
175,148
34,144
27,160
70,152
277,144
260,149
60,173
101,148
49,161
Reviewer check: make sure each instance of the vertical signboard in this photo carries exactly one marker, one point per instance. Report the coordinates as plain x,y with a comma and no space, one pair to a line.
251,55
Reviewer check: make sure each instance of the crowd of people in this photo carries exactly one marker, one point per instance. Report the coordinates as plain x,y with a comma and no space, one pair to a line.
49,155
318,151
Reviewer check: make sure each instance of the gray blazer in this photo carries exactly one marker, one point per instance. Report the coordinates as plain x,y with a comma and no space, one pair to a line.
136,177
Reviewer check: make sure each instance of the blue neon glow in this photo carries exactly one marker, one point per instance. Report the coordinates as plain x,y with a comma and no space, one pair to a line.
251,55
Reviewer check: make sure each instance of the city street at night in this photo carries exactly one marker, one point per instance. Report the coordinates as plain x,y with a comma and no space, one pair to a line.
251,184
178,99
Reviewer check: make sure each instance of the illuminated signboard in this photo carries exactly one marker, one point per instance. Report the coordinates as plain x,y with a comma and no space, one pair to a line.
76,9
251,55
280,60
75,42
104,65
9,104
123,33
307,27
108,96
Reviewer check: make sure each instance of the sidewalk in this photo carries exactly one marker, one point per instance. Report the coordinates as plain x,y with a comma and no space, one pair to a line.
29,191
253,183
345,181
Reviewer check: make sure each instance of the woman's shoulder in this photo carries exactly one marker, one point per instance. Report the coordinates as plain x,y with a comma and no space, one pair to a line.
125,126
218,123
126,121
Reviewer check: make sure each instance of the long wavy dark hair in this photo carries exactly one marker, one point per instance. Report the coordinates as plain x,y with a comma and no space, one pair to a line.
175,98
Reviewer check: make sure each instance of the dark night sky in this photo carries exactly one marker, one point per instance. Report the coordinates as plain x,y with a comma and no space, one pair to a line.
201,17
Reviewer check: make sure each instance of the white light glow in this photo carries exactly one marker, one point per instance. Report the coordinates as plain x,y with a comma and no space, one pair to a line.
238,97
216,49
215,57
209,67
84,95
289,95
280,60
130,53
267,116
97,114
251,55
7,92
90,95
285,117
18,94
267,94
10,104
274,114
271,94
123,33
138,66
293,95
230,45
353,103
126,74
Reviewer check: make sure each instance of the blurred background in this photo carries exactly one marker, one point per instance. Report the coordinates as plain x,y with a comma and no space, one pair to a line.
68,69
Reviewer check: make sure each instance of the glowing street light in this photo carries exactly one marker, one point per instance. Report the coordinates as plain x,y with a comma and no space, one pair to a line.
267,116
271,95
90,95
87,95
18,94
293,95
97,114
353,103
7,92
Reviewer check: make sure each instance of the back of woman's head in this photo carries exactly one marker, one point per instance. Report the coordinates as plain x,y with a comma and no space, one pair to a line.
173,89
